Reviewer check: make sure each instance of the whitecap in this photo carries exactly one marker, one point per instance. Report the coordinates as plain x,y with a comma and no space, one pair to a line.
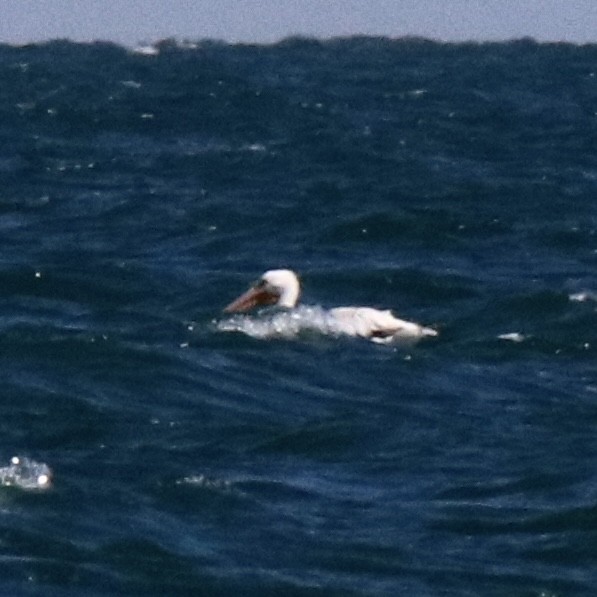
205,482
513,337
147,50
25,473
583,297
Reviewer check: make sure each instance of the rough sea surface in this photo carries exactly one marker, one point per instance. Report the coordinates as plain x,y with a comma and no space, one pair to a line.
151,445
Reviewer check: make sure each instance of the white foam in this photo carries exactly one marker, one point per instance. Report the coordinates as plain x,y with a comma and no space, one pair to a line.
146,50
280,324
205,482
583,297
513,337
25,473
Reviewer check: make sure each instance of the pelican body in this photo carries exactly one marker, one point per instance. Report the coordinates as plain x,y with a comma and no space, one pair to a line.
281,287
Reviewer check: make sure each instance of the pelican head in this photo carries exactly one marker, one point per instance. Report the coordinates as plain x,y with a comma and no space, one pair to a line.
275,287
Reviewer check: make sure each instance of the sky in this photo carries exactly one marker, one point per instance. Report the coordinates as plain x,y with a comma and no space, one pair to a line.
133,22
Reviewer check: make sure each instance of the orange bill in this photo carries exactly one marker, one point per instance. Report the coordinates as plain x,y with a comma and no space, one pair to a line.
254,297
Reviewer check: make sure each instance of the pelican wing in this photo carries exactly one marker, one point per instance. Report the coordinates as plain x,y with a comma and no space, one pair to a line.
377,325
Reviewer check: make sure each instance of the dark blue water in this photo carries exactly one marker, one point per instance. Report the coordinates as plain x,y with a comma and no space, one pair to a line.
140,193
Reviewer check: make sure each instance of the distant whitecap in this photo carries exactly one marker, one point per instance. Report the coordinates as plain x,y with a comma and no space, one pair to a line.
583,297
513,337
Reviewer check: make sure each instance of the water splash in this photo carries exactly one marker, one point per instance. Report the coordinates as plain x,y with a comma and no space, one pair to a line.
280,324
25,474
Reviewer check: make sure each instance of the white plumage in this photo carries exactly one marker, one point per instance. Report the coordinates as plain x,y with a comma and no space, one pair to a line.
282,288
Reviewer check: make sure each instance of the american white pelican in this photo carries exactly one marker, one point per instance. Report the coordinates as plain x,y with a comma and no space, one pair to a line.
281,287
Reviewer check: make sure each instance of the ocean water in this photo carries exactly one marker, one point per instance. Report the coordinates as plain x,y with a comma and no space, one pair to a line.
152,445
